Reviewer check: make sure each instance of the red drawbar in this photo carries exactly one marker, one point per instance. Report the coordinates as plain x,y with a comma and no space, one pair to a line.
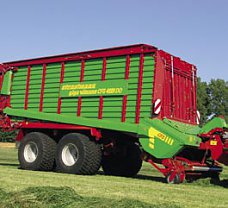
42,88
27,88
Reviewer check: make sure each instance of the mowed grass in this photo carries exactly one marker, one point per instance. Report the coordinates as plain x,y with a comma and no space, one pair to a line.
20,188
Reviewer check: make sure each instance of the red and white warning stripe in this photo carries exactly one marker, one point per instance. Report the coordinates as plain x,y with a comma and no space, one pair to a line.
197,117
157,106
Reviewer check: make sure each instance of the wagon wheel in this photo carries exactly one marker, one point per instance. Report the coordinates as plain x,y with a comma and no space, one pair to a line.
175,178
37,152
126,163
78,154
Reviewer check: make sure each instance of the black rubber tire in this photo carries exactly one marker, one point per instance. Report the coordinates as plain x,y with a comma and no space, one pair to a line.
88,158
46,152
126,163
215,178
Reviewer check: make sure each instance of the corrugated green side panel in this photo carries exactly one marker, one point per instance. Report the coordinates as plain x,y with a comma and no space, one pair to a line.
112,105
93,72
51,89
133,89
72,74
115,70
35,87
147,87
90,107
6,85
18,88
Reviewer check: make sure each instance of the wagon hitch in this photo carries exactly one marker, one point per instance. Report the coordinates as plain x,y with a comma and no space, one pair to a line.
6,124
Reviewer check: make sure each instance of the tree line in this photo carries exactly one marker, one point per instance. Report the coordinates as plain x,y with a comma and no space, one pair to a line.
212,99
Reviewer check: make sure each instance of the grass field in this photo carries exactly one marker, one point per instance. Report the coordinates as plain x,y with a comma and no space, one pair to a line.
19,188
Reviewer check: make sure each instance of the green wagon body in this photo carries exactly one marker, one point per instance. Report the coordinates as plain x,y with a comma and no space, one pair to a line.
137,91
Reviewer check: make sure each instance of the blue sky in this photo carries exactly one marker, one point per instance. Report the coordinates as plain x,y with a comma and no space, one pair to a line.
195,30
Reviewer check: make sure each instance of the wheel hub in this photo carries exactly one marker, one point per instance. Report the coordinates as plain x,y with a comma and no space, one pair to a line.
70,154
30,152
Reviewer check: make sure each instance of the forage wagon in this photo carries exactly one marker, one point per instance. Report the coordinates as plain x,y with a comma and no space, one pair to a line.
113,108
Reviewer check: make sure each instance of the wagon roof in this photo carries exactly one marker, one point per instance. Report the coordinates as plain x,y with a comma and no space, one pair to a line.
106,52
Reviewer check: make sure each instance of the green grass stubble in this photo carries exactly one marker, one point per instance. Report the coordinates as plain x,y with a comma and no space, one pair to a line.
20,188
